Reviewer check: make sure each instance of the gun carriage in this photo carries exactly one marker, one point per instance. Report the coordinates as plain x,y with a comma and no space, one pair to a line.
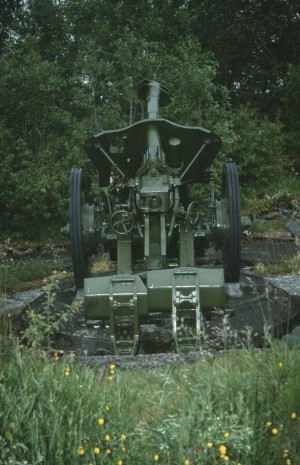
146,222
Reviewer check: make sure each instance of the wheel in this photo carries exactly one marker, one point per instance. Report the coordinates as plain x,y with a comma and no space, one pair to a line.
232,247
121,222
79,253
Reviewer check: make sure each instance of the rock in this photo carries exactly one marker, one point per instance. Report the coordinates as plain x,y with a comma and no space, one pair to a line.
269,216
294,228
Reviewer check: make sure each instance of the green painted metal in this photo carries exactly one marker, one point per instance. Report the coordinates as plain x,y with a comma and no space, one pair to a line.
160,285
147,220
97,296
186,248
124,255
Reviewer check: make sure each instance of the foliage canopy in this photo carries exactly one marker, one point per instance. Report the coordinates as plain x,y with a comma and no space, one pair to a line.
71,69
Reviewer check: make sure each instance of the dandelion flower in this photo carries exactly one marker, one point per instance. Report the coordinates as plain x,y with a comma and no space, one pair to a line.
223,450
288,462
123,436
210,445
294,416
120,462
280,364
101,421
268,424
226,434
107,437
81,450
107,408
108,451
187,462
96,450
156,458
112,366
67,372
109,378
274,431
124,449
226,458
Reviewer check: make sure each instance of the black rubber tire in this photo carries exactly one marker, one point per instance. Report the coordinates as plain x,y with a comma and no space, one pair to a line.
80,258
232,248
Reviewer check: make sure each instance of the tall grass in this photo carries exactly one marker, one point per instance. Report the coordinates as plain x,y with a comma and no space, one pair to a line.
242,408
14,273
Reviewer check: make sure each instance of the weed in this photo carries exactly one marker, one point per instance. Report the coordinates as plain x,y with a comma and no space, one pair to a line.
46,322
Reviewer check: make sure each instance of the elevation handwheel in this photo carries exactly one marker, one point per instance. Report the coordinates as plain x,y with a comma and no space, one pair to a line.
121,222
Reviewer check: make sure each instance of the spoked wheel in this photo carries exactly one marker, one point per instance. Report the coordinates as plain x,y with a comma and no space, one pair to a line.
80,256
232,246
121,222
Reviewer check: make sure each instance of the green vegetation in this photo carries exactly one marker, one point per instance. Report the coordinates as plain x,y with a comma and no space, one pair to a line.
14,273
71,69
270,228
242,408
256,204
286,266
45,323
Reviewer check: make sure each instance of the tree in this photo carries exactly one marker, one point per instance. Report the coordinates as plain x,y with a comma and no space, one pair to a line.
254,43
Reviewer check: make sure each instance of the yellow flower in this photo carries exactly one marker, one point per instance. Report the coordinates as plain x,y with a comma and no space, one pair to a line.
268,424
107,437
294,416
112,366
187,462
227,434
96,450
225,458
124,449
123,436
156,458
67,372
107,408
101,421
280,364
81,450
210,445
110,378
223,450
108,451
288,462
274,431
120,462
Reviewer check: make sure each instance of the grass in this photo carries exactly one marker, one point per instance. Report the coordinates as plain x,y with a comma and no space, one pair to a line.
239,409
14,273
287,266
272,228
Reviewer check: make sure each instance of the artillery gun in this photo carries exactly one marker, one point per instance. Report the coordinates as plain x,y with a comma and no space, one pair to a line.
146,222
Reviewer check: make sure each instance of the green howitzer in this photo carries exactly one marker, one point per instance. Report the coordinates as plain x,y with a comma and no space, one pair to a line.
146,222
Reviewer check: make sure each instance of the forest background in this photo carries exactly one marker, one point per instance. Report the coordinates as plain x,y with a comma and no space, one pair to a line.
71,68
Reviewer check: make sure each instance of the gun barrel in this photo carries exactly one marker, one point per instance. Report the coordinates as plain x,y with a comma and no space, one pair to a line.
154,94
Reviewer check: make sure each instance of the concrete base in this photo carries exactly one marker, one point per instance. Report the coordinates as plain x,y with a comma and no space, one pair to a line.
233,290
